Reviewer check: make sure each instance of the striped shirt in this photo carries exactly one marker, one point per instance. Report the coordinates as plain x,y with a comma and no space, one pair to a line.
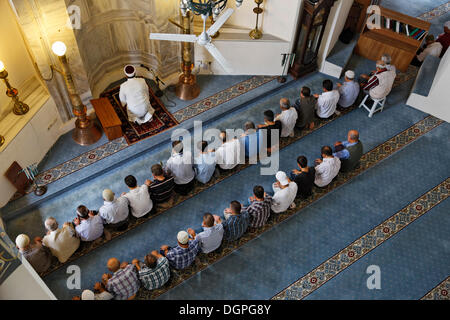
180,258
235,226
124,283
373,81
259,212
161,191
155,278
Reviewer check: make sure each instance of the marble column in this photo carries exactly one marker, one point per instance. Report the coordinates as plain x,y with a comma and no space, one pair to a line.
114,33
44,22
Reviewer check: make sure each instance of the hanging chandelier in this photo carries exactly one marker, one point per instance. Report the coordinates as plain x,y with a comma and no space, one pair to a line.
205,7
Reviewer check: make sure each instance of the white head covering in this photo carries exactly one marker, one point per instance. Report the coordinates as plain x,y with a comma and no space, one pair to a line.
87,295
183,237
22,241
350,74
282,178
130,71
447,24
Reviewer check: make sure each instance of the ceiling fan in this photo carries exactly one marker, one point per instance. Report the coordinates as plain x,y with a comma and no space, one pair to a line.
204,39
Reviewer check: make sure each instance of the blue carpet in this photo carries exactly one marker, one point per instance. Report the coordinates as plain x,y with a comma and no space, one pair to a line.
268,264
412,8
163,228
412,263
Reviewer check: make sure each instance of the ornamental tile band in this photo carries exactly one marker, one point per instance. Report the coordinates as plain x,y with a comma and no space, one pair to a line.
316,278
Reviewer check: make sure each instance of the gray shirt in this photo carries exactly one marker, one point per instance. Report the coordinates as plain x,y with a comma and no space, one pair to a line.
349,91
211,238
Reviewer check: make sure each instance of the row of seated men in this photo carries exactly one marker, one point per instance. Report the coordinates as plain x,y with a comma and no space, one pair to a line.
180,175
63,242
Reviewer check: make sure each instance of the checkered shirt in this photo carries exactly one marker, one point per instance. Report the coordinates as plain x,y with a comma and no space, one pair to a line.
235,226
124,283
259,212
181,258
155,278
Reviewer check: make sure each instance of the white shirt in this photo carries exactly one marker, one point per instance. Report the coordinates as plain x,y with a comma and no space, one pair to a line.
140,201
62,243
228,154
90,229
288,120
283,198
433,49
211,238
326,103
392,69
385,82
135,94
181,167
327,171
114,212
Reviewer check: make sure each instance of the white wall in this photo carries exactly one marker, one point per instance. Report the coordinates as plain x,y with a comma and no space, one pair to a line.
25,284
437,103
278,24
30,145
336,22
14,54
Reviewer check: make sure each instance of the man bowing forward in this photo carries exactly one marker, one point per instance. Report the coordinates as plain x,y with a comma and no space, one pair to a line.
134,93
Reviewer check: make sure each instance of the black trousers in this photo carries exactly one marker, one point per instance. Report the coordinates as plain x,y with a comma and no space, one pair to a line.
184,189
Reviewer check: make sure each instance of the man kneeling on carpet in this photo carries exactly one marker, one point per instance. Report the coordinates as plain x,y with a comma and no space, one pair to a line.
134,94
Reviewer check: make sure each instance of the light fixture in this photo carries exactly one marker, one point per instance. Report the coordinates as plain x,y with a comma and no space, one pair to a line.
20,108
239,3
86,132
59,48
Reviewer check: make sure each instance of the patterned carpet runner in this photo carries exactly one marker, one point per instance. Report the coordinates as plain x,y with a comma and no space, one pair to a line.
162,119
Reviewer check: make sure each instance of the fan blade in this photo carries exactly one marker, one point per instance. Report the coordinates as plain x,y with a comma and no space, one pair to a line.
174,37
220,22
212,49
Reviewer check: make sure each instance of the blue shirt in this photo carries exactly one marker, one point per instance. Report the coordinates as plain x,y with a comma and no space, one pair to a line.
211,238
204,166
251,144
180,258
235,226
344,154
349,91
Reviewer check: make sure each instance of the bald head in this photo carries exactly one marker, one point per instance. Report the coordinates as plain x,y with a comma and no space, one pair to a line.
113,264
353,136
285,104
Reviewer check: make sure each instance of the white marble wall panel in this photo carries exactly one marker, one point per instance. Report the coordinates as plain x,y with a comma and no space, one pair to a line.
116,32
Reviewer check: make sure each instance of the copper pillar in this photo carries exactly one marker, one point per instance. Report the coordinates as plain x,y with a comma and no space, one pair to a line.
86,131
187,88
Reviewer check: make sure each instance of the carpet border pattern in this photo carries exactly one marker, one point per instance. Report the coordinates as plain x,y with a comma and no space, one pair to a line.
221,97
331,267
440,292
436,12
368,160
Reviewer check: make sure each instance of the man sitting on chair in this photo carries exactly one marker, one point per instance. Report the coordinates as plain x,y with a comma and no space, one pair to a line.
134,93
380,84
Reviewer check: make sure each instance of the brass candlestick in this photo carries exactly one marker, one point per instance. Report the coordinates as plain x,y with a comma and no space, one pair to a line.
86,132
256,33
20,108
187,87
